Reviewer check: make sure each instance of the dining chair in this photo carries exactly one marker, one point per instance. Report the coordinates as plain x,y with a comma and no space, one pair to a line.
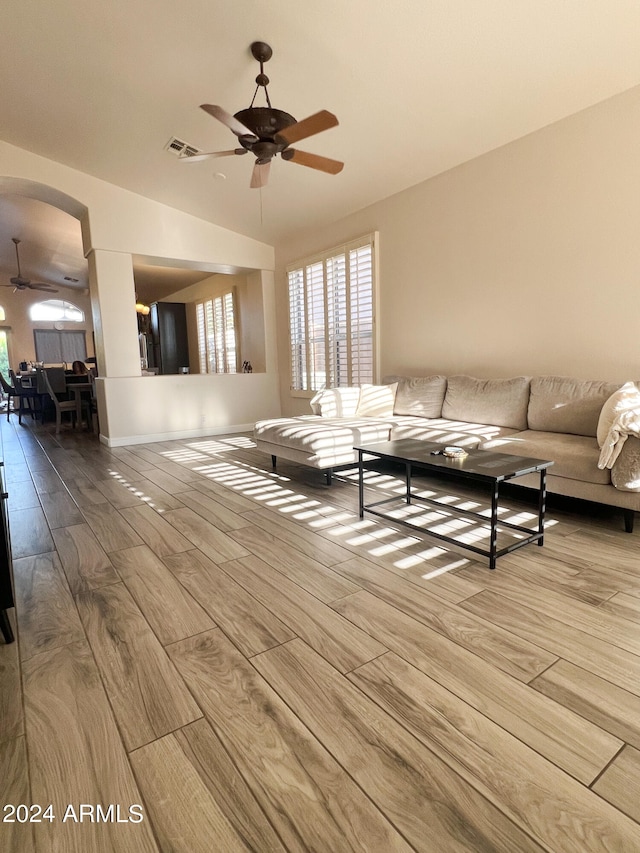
42,393
25,391
57,379
92,409
10,392
60,405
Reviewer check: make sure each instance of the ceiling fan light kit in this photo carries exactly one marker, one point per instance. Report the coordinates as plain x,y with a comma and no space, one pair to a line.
266,131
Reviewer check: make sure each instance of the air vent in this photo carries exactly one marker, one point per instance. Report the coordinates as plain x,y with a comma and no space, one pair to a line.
181,149
68,278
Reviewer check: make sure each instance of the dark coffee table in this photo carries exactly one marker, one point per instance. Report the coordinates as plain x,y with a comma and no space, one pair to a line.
484,466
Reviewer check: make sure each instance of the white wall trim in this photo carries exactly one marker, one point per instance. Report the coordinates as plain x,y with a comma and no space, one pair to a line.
124,440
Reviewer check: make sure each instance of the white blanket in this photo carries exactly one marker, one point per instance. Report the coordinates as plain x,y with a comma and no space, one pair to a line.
625,424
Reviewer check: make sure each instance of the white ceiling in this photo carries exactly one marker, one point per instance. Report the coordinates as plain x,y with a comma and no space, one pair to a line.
419,86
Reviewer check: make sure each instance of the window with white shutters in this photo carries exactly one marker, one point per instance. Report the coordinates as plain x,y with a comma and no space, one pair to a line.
216,324
331,317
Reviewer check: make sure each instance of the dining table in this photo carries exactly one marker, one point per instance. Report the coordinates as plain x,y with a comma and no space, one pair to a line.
76,386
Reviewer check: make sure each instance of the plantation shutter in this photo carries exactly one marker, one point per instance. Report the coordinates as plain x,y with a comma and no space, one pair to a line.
217,337
297,330
331,318
210,337
316,325
338,313
361,314
202,343
229,334
218,333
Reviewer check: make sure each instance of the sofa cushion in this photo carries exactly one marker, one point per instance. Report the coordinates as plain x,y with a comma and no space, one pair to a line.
336,402
500,402
574,456
420,396
327,441
566,405
448,432
376,401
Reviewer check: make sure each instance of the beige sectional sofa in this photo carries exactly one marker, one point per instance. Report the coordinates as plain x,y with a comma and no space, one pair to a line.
545,417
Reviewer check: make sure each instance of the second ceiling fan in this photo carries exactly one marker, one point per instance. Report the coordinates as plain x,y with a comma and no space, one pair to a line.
19,282
266,131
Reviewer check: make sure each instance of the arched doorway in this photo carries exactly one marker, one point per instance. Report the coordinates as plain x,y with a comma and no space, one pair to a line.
50,257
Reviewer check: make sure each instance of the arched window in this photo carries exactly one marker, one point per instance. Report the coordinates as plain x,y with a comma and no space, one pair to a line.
52,310
3,316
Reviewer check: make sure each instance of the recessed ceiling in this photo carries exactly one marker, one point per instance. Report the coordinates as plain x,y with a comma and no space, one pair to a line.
50,244
155,282
419,86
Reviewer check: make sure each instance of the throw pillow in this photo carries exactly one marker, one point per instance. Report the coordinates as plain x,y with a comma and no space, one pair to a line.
314,402
419,396
376,401
336,402
497,402
622,400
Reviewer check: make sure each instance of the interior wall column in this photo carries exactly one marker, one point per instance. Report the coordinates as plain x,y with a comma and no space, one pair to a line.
114,317
270,327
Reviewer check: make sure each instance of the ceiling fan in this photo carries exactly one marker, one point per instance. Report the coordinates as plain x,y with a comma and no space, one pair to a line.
20,283
266,131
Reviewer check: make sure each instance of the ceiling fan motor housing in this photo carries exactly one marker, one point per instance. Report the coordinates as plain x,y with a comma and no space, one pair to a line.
265,123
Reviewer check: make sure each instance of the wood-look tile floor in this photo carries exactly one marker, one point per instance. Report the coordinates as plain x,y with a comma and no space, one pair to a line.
224,658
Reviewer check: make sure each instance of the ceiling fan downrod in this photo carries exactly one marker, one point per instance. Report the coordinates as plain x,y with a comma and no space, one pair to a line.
263,53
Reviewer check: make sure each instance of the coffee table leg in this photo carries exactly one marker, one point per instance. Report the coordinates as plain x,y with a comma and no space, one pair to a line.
542,500
360,486
408,475
493,547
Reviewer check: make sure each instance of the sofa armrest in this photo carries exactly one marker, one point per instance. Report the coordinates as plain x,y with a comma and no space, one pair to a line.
625,473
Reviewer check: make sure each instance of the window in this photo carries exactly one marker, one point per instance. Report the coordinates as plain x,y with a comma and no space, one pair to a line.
52,310
4,346
56,347
216,322
4,353
331,317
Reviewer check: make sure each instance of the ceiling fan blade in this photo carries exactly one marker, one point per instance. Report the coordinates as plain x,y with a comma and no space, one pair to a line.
308,126
45,287
195,158
260,175
226,118
314,161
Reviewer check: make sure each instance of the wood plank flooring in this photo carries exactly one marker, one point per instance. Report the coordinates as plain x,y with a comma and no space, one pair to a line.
232,654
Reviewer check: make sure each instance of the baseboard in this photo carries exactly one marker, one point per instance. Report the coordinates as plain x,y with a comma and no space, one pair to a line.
123,441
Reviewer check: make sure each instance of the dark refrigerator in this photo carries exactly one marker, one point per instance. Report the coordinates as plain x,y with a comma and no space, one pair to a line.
169,344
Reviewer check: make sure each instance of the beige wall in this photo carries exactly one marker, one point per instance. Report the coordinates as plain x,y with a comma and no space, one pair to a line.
20,328
523,261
